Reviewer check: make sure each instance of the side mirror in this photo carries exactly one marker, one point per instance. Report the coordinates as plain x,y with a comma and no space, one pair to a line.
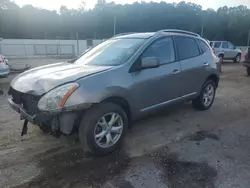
149,62
234,47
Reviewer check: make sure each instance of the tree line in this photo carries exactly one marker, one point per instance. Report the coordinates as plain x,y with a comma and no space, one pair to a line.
226,23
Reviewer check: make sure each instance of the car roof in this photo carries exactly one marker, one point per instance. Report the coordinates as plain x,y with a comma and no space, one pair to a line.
147,35
136,35
219,41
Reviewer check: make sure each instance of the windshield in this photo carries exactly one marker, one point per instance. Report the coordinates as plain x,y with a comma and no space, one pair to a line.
111,52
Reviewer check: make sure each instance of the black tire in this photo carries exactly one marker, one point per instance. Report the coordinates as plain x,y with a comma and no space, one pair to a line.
45,128
198,103
248,71
237,59
88,124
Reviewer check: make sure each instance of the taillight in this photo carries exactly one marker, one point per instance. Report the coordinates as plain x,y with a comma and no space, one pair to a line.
1,60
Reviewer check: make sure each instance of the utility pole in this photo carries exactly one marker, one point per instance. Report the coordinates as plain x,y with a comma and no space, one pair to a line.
248,40
1,45
114,25
77,43
202,30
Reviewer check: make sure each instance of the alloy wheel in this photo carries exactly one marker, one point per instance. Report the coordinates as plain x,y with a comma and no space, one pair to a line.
108,130
208,95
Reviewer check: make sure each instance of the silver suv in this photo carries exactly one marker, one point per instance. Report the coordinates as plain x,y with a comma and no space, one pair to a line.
226,51
122,79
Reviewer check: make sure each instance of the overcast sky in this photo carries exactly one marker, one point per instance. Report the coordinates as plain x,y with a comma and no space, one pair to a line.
55,4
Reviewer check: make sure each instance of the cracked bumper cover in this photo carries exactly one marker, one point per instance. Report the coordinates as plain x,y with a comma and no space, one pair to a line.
43,116
34,119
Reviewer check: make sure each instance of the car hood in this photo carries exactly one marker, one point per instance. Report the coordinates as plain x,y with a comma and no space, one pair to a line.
40,80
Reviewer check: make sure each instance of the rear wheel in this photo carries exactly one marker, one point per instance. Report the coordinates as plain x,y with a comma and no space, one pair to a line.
237,58
206,98
221,58
102,128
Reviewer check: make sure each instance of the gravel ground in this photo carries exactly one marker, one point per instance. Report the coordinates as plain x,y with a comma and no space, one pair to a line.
177,147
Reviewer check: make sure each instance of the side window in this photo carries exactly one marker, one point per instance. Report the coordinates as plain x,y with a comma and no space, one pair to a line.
186,48
225,45
163,49
230,45
217,44
203,46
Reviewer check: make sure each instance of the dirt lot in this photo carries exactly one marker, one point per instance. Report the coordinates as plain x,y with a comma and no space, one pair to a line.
177,147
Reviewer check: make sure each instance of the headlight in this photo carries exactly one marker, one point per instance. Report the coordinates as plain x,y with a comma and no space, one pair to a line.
56,98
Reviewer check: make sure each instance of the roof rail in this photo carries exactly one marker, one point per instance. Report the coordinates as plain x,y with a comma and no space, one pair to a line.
121,34
180,31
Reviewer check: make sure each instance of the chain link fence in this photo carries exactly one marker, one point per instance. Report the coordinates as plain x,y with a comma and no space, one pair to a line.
37,50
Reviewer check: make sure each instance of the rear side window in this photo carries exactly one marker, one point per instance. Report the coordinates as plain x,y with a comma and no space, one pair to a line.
217,44
203,46
162,49
230,45
186,48
225,45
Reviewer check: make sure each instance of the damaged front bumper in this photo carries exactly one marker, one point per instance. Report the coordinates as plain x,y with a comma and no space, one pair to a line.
63,121
34,119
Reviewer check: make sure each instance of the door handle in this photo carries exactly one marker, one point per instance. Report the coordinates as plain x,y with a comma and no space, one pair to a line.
176,71
205,64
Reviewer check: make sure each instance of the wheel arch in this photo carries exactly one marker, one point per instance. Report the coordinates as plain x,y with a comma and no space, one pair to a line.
221,54
122,102
214,78
239,53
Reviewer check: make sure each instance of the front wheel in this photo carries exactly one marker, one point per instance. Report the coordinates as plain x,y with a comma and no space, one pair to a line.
237,58
102,128
206,98
44,128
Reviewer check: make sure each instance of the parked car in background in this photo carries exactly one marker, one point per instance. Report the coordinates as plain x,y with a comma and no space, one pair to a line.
246,62
4,67
120,80
226,51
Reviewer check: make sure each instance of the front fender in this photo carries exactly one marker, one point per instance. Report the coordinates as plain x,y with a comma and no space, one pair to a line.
94,95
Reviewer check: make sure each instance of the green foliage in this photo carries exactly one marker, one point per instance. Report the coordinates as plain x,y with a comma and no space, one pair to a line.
226,23
6,4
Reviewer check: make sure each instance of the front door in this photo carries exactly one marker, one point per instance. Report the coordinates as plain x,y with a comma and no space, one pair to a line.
155,87
226,50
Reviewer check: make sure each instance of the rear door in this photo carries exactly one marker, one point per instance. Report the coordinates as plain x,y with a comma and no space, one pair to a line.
193,64
232,50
